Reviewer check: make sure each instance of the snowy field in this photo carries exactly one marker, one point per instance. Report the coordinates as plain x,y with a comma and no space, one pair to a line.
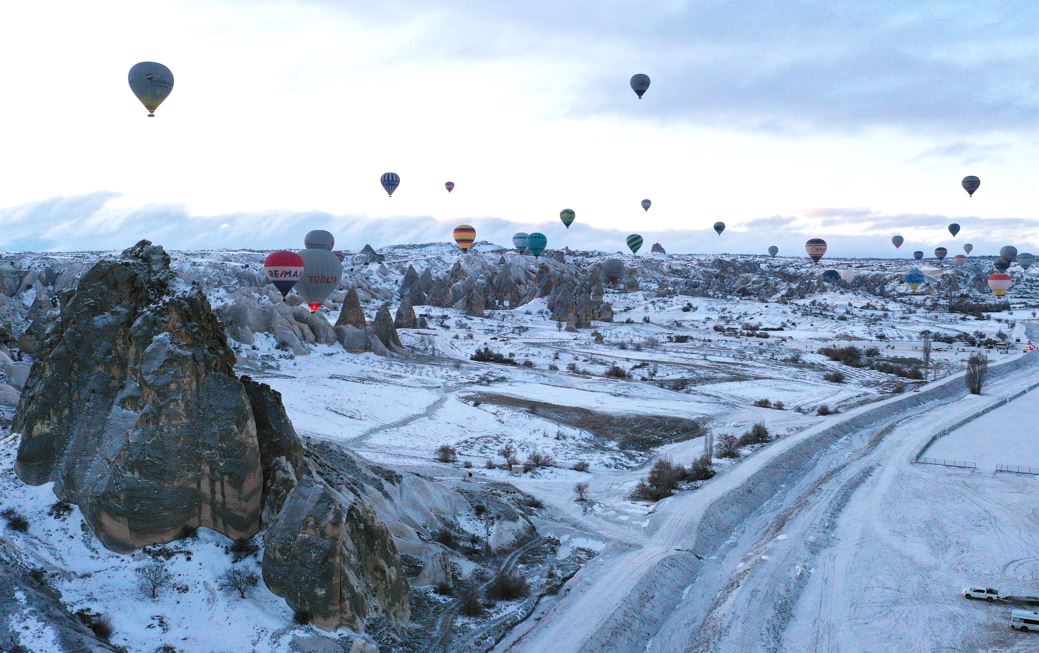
1008,435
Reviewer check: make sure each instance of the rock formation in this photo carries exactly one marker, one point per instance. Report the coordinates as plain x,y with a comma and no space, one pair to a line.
405,318
352,313
657,249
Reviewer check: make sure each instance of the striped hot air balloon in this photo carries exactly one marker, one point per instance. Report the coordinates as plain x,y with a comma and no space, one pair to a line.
999,283
897,241
634,243
390,181
816,248
536,243
464,235
940,253
284,270
519,241
970,184
960,259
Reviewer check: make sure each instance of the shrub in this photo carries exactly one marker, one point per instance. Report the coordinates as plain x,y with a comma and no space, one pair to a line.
60,510
834,377
977,372
538,459
779,405
241,549
616,372
302,617
100,624
152,578
528,363
825,410
899,388
533,502
445,537
757,434
508,452
446,454
16,521
763,403
728,446
471,604
239,580
443,589
581,490
489,464
701,469
850,355
485,355
581,466
507,587
661,482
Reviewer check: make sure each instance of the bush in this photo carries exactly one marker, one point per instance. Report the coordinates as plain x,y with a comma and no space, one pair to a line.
661,482
728,446
581,466
443,589
16,521
825,410
834,377
616,372
239,580
485,355
533,502
581,490
152,578
508,452
242,548
489,464
471,604
757,434
701,469
302,617
977,372
60,510
850,355
445,537
538,459
763,403
507,587
446,454
779,405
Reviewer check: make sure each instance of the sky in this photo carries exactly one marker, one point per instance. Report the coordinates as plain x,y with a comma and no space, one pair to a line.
849,121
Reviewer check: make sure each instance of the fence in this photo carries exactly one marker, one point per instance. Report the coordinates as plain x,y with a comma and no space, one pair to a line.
945,462
1017,469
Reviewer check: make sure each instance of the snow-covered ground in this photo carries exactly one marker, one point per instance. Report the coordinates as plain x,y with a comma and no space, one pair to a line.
1008,435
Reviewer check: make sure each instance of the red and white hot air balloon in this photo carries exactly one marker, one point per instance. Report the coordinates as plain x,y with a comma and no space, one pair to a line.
283,269
999,283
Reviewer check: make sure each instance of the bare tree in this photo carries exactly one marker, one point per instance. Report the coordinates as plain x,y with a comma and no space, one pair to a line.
977,371
508,452
926,353
153,578
239,580
581,489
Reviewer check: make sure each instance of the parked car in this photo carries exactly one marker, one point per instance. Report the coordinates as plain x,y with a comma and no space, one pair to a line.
986,593
1024,620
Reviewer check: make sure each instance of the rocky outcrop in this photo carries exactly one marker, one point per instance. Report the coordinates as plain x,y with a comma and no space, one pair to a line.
352,313
368,255
293,326
657,249
405,317
383,329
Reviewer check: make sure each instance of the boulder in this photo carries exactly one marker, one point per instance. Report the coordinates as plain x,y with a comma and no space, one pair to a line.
352,313
383,329
405,318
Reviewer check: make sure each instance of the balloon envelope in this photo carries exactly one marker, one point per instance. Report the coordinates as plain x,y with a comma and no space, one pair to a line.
1001,265
914,277
968,248
897,241
719,227
634,243
319,239
639,84
464,236
567,216
1008,252
999,283
390,181
847,276
816,248
773,250
960,259
152,83
970,184
954,229
450,186
322,271
613,268
1026,260
519,241
918,255
646,204
833,276
283,269
536,243
940,253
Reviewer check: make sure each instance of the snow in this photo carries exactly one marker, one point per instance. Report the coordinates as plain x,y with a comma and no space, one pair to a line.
1008,435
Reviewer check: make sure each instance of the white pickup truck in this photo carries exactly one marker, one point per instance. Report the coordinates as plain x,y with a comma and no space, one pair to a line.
986,593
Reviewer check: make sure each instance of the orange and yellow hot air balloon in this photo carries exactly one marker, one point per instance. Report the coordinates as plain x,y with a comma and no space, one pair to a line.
464,235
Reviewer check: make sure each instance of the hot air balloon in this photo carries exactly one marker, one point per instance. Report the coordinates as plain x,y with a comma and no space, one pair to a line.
519,241
897,241
816,248
847,276
646,204
319,239
1000,265
968,248
283,269
634,243
152,83
773,250
960,259
970,184
918,255
719,227
639,84
1008,252
450,186
832,276
914,277
1025,260
390,181
999,283
536,243
940,253
954,229
613,269
322,271
464,236
567,216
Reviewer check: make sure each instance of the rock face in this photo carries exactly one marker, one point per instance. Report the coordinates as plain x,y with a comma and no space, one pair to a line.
384,330
405,318
352,313
134,412
657,249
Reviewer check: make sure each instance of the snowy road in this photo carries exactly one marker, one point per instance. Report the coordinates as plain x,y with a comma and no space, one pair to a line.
797,540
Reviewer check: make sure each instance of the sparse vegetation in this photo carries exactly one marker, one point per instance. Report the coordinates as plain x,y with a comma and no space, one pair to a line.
834,377
152,578
581,466
508,587
237,579
616,372
701,469
60,510
485,355
661,482
508,452
302,617
471,606
824,410
536,459
977,372
581,490
99,623
16,521
728,446
757,434
446,454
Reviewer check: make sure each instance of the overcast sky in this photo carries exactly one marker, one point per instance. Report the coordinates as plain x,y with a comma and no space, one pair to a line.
846,120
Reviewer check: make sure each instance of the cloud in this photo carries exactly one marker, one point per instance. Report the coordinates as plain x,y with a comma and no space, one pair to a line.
97,221
964,152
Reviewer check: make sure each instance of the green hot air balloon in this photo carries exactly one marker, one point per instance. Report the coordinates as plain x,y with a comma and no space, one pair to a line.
639,84
152,83
536,243
773,250
567,216
634,243
968,248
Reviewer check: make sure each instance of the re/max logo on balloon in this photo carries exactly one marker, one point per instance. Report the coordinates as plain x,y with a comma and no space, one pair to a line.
284,274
